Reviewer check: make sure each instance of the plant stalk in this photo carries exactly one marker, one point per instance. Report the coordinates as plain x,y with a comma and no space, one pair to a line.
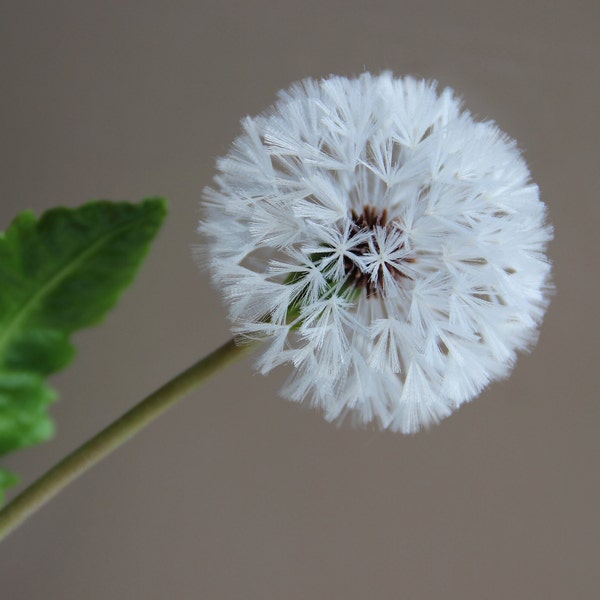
116,434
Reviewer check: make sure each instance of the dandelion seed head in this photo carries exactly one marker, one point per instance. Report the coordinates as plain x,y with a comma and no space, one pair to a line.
383,242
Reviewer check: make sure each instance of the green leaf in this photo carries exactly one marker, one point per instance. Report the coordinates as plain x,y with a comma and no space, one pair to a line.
59,273
7,479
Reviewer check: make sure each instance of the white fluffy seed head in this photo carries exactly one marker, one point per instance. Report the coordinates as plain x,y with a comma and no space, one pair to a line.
384,243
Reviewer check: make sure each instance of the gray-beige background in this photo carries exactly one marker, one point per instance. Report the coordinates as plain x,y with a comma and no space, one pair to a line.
236,493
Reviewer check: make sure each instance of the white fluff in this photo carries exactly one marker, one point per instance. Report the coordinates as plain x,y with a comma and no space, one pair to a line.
452,280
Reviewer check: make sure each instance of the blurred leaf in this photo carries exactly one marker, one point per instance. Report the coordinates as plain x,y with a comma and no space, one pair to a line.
7,479
59,273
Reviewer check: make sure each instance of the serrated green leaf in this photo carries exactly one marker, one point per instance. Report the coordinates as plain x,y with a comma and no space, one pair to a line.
24,421
7,479
59,273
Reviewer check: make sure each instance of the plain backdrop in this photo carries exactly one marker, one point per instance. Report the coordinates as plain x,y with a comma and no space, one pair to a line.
236,493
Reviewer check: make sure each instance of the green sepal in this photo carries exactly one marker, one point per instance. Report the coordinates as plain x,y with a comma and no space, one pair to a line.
346,289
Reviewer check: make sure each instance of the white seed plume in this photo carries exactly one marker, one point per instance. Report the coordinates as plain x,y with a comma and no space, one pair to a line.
384,243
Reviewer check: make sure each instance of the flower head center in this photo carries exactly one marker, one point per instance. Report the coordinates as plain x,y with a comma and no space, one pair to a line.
378,256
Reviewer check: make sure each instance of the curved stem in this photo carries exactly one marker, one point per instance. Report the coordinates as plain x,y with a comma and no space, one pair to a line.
113,436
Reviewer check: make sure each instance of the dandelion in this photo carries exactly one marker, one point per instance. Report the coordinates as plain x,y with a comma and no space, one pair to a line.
383,242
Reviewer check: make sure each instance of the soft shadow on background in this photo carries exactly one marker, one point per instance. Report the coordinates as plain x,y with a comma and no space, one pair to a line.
237,493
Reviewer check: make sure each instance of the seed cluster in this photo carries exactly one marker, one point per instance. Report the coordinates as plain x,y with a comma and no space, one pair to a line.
370,219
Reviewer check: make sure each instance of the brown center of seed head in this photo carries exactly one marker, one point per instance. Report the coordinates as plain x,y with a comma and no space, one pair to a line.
369,219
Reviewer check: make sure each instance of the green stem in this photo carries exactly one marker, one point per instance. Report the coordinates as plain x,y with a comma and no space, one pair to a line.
113,436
